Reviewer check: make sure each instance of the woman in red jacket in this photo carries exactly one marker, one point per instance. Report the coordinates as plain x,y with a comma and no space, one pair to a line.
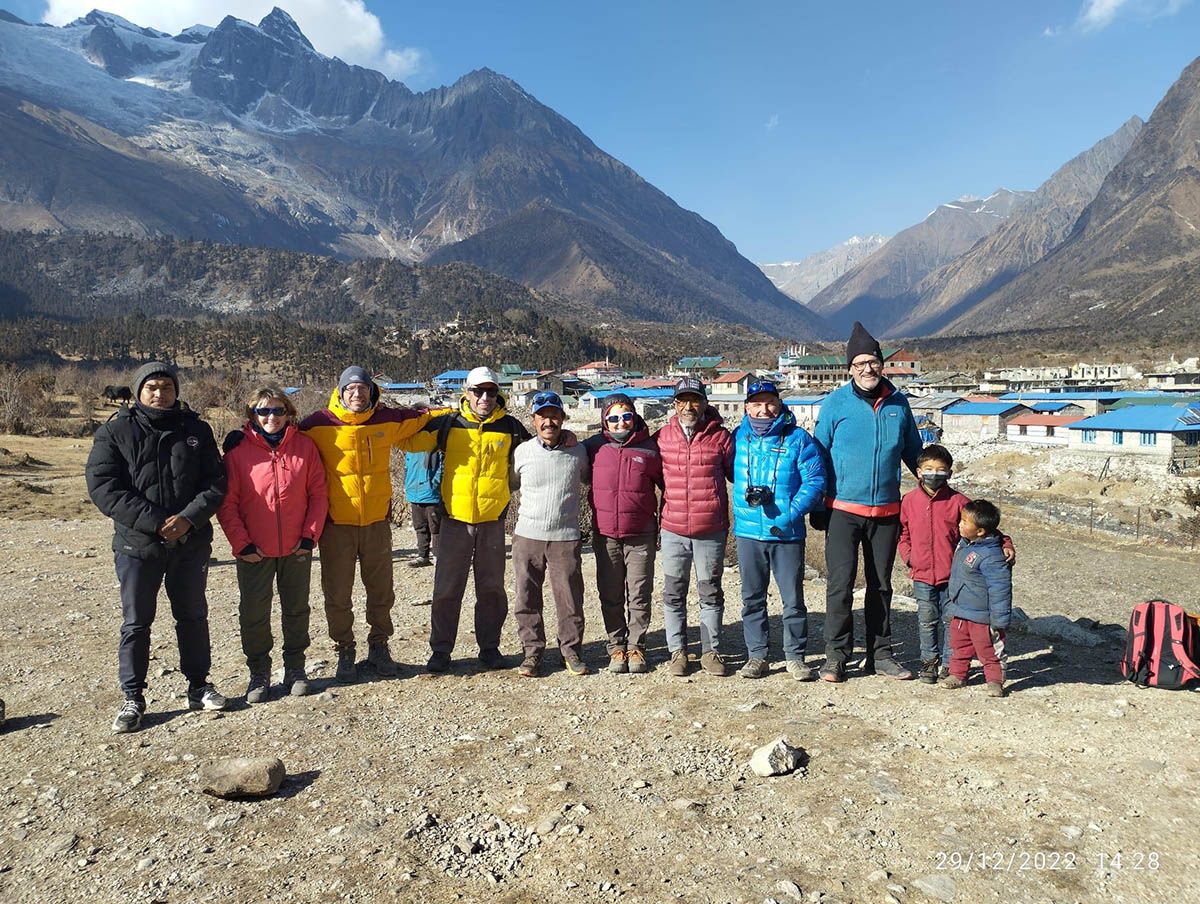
626,468
273,515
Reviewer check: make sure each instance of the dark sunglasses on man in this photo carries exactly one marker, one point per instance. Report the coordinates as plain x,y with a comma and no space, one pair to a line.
625,417
481,392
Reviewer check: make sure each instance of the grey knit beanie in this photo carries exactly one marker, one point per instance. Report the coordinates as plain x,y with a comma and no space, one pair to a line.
153,369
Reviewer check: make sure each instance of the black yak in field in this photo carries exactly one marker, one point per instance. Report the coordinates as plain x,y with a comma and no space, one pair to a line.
118,394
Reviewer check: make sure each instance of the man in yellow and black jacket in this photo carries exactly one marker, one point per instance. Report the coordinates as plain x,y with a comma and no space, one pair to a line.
355,436
477,443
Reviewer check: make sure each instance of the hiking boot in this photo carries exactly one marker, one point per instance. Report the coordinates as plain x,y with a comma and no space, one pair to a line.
207,698
576,666
801,672
833,672
637,661
890,668
679,663
531,666
347,667
438,662
995,689
296,682
928,673
259,688
943,672
953,683
755,668
420,562
129,716
712,663
618,662
491,659
380,657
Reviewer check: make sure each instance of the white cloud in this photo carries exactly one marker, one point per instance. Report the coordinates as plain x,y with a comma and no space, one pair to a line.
1099,14
1051,31
341,28
772,122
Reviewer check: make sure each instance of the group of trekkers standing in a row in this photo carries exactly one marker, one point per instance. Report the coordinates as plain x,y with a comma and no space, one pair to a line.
287,486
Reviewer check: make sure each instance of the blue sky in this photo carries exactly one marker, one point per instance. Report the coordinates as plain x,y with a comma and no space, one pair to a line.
790,125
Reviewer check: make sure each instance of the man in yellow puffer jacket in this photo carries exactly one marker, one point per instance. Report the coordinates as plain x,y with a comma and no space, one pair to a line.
355,436
479,441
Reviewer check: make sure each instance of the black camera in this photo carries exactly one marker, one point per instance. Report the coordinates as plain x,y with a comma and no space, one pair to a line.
756,496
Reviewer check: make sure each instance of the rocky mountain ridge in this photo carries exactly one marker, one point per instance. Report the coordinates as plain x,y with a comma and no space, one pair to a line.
801,280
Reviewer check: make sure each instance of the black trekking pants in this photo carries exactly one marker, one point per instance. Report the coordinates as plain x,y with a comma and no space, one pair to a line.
877,537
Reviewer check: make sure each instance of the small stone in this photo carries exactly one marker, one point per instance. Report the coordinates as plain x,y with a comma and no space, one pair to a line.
61,844
776,758
790,888
879,875
326,697
1072,831
686,804
236,777
559,787
146,863
223,821
752,706
937,885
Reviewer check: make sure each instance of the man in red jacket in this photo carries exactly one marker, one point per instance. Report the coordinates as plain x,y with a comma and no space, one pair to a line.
697,460
626,467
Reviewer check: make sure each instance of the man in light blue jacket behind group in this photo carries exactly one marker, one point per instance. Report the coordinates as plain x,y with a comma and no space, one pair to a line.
423,490
778,478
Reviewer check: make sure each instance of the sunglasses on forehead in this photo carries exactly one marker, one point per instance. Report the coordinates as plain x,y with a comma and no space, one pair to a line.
273,410
624,417
762,386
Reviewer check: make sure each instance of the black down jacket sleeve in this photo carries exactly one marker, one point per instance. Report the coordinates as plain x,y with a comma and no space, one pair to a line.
110,485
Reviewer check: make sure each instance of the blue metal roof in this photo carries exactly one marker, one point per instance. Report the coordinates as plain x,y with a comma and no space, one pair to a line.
450,376
1049,407
1145,418
1076,396
982,409
803,400
401,387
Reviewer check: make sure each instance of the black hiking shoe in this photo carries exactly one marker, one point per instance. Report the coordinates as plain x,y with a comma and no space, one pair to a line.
491,659
347,667
928,673
207,698
438,662
129,716
259,688
380,657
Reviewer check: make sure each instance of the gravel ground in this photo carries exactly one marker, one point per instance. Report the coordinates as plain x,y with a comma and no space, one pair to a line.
481,786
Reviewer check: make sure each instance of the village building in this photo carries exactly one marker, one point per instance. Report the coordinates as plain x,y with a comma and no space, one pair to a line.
1037,429
541,381
932,407
703,366
599,371
804,371
805,409
1167,435
978,421
943,382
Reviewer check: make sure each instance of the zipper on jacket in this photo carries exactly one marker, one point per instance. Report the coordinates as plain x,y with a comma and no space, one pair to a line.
278,498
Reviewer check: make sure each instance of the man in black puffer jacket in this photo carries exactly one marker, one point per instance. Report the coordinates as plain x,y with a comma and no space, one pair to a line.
155,470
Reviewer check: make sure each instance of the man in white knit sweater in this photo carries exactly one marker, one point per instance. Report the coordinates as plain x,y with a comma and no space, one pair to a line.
546,540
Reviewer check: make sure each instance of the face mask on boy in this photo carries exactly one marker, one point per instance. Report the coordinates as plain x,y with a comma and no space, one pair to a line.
934,480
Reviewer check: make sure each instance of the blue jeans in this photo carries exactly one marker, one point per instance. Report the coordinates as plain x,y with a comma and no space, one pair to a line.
932,601
677,558
757,561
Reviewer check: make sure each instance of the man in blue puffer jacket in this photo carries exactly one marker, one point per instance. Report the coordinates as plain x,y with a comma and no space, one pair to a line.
866,431
778,478
423,490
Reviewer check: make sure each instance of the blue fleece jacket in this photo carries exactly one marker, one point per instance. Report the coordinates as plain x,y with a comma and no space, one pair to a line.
787,460
980,588
419,485
864,446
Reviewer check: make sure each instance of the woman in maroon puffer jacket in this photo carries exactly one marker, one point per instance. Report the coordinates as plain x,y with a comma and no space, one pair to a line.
626,468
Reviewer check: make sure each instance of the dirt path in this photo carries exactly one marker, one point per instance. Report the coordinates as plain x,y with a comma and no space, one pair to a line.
481,786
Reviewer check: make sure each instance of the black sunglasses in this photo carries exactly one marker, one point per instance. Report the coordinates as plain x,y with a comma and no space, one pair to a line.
481,393
625,416
267,412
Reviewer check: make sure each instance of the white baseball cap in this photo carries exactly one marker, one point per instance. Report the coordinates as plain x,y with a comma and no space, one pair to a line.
480,376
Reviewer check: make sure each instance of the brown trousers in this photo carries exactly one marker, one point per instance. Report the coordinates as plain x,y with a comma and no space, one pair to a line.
462,548
342,546
533,560
625,580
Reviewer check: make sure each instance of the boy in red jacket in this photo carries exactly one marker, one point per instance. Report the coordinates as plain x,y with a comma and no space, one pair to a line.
929,517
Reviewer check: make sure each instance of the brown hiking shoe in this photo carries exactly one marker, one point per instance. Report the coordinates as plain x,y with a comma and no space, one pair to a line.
995,689
531,666
679,663
618,662
637,662
712,663
953,683
576,666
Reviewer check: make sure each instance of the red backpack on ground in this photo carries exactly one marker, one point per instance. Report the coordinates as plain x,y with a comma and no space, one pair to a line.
1162,647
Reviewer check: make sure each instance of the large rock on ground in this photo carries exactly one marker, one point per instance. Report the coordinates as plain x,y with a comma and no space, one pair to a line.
776,758
236,777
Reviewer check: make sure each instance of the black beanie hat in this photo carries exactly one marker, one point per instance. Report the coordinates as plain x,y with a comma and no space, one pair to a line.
153,369
617,398
862,343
